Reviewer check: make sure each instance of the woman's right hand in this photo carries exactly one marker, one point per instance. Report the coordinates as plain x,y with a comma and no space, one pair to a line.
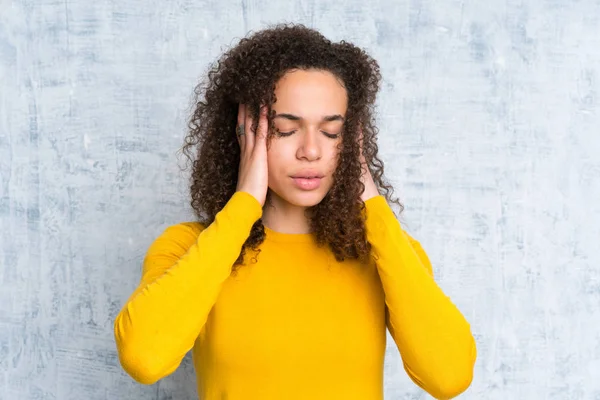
253,176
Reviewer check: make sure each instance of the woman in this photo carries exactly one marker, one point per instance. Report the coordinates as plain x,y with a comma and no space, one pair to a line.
284,287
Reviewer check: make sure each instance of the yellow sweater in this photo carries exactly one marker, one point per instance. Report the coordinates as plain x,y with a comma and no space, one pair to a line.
297,324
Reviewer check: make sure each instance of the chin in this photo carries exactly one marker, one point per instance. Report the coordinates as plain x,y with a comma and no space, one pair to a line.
306,199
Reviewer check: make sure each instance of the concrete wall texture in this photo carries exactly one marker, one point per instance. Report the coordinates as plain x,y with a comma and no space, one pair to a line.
489,117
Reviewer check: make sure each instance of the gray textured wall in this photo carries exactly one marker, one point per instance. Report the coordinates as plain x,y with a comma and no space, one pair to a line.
489,119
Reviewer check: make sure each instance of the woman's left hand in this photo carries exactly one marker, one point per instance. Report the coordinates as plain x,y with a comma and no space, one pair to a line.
366,178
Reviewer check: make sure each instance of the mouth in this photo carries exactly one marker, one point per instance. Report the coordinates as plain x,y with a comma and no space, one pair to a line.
307,182
308,175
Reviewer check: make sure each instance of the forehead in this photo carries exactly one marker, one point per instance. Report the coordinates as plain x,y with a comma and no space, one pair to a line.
310,93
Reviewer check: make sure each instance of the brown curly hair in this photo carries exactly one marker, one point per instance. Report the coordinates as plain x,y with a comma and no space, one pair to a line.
248,73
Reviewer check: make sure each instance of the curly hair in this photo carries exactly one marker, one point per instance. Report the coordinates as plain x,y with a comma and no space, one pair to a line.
248,73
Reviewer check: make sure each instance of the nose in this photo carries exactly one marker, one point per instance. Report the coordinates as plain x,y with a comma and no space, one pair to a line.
309,147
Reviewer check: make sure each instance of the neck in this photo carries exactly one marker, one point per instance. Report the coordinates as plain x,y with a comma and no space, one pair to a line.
282,216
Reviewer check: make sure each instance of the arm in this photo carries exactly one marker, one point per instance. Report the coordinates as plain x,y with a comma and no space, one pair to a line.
433,337
183,272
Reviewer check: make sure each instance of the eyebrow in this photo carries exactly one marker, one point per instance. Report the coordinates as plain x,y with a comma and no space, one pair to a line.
327,118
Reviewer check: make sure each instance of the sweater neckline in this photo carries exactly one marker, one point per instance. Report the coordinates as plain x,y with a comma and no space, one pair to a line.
288,237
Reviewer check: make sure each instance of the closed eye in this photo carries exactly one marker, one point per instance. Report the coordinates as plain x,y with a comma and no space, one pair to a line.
329,135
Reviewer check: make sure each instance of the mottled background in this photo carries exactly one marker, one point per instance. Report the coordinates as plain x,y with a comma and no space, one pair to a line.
489,117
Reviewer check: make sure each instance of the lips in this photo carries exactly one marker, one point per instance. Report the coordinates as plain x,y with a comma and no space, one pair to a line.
306,183
308,175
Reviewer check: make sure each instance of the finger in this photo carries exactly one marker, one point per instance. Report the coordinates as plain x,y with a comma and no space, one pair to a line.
261,131
360,135
241,118
360,144
249,132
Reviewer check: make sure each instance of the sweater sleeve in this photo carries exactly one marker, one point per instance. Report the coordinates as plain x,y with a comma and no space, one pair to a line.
434,339
182,275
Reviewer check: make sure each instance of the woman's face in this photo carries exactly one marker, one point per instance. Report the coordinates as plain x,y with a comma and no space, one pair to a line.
309,116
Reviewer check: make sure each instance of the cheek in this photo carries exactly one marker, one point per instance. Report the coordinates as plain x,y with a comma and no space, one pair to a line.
276,160
333,156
